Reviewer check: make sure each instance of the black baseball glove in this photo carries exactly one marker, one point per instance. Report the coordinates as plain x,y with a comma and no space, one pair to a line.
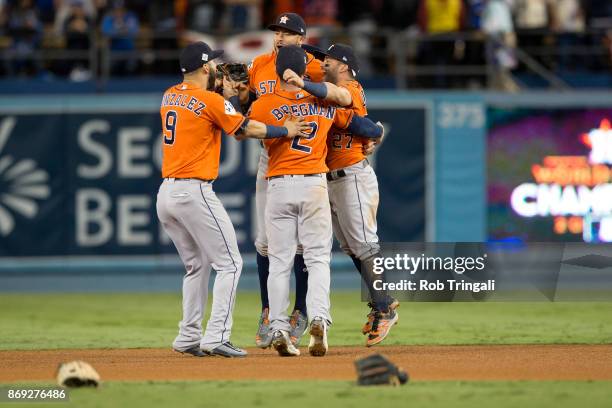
378,370
235,72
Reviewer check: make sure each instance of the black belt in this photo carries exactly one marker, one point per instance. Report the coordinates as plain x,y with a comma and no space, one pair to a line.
336,174
295,175
188,179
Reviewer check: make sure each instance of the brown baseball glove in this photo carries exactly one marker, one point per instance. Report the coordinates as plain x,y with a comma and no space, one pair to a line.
378,370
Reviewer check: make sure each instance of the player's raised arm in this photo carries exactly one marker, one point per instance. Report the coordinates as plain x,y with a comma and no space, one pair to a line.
358,125
292,127
323,90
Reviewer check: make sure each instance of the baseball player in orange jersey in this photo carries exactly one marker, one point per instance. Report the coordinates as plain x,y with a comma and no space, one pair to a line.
289,29
297,208
187,207
352,183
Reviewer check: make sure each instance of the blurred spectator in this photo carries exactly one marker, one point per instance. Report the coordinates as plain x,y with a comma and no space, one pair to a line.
532,25
205,15
320,12
597,10
272,8
25,29
46,10
569,24
399,14
121,27
162,14
497,23
474,13
358,17
78,30
243,14
65,9
439,18
3,16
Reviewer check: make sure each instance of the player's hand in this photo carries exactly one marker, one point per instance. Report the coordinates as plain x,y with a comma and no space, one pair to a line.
243,92
297,127
230,88
368,147
292,78
380,139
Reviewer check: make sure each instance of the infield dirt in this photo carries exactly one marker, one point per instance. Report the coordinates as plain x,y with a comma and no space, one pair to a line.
499,362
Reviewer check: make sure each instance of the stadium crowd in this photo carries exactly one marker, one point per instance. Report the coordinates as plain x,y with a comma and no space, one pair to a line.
561,35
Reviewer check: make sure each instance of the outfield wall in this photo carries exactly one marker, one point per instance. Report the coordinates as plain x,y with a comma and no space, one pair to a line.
79,174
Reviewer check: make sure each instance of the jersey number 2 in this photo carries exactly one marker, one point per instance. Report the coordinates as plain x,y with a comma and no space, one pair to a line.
170,127
295,145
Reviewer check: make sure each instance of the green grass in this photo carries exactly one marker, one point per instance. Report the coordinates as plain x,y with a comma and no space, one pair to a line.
48,321
335,394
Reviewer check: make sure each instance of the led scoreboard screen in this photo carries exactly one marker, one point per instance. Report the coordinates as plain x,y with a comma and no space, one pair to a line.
550,174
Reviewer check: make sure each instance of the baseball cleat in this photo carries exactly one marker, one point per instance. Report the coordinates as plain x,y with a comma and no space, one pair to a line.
318,337
227,349
381,327
263,338
194,351
282,344
299,324
368,325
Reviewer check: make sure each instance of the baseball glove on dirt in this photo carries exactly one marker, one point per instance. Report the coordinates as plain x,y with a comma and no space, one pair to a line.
378,370
77,374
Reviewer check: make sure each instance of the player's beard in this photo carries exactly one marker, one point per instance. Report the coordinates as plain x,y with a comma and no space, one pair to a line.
330,76
211,83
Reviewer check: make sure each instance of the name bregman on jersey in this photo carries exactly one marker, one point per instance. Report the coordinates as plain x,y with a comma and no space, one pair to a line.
180,100
304,109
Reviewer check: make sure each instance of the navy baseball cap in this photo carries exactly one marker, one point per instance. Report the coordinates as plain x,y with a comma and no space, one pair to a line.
291,57
290,22
195,55
344,53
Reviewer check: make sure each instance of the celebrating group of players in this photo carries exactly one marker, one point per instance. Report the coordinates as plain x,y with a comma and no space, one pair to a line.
313,174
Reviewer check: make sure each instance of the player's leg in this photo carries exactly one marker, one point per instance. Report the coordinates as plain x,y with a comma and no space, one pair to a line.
356,200
359,197
315,235
212,229
299,315
197,271
301,281
281,219
261,247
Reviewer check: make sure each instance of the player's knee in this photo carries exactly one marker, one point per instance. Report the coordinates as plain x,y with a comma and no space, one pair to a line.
365,250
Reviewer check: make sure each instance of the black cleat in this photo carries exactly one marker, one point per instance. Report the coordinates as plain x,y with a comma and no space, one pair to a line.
194,351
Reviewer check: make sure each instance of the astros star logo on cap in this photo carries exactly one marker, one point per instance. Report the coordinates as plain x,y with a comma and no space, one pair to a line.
284,19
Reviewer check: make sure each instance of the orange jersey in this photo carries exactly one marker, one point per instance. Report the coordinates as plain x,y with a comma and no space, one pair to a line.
263,78
298,155
345,149
192,119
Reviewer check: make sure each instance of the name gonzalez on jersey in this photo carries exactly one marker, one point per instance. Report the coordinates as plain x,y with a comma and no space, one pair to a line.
180,100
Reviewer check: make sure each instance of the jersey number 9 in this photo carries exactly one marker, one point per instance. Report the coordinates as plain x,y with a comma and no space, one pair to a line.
170,127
